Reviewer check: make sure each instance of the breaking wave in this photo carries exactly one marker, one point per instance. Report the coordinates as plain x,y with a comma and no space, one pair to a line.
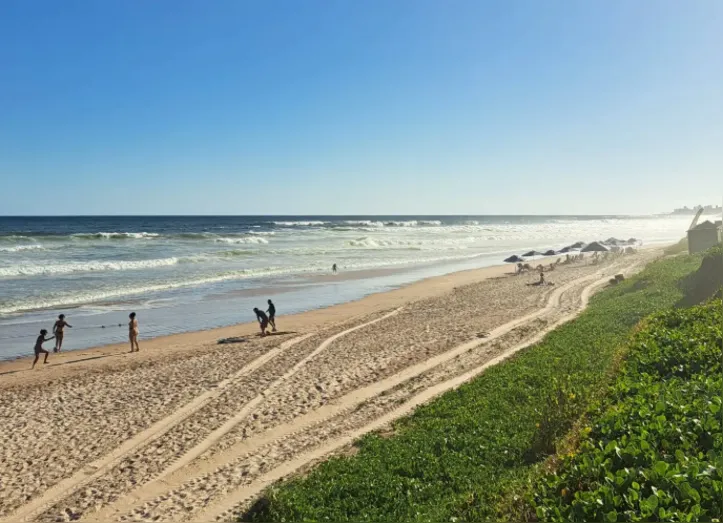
114,235
92,266
243,240
20,248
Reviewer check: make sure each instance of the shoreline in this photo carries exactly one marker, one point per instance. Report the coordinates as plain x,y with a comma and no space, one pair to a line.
314,318
201,420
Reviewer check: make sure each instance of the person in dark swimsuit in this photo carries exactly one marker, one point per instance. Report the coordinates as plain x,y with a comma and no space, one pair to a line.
333,268
272,315
263,320
58,331
39,347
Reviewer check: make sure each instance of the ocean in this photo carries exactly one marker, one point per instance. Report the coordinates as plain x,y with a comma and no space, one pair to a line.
184,273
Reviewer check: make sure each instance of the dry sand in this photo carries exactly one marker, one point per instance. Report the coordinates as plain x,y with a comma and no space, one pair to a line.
188,429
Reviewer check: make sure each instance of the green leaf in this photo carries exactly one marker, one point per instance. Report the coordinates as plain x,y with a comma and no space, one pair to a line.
661,467
612,516
652,502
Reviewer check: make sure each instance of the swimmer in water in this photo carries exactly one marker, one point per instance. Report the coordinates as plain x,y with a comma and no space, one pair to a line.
58,331
39,347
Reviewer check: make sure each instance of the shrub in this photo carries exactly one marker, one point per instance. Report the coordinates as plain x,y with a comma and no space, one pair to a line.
655,450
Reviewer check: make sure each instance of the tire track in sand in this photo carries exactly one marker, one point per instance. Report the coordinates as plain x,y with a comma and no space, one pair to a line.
225,506
217,434
100,466
177,476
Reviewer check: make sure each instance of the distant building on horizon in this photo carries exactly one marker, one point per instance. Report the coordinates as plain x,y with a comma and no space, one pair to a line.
707,209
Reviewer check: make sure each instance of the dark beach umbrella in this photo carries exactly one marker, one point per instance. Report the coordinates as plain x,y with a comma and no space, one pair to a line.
595,247
551,252
532,253
514,259
612,241
578,245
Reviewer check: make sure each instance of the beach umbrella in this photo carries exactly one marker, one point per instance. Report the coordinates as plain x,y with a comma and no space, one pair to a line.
595,247
532,253
551,252
578,245
514,259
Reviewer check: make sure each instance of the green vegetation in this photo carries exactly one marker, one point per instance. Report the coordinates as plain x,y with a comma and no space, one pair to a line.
655,451
460,456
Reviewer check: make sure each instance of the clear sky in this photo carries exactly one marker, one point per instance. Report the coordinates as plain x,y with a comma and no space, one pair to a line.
360,106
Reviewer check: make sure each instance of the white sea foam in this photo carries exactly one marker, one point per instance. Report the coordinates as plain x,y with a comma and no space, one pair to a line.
92,266
395,243
364,223
311,223
15,238
20,248
100,295
114,235
243,240
84,297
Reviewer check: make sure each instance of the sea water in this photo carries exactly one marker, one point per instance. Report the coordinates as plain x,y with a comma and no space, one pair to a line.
189,273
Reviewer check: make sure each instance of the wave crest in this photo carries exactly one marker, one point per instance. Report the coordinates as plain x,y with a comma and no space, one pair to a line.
114,235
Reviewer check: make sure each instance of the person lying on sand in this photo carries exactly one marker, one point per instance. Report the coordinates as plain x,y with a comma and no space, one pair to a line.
272,315
58,331
541,282
39,347
263,320
133,332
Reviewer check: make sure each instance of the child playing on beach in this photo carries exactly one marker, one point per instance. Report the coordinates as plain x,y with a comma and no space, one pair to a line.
272,315
263,320
39,347
58,331
133,332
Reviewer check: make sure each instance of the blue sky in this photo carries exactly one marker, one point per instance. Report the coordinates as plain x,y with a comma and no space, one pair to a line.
360,107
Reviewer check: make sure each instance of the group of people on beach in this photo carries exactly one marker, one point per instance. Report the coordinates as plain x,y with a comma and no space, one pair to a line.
59,333
60,325
264,320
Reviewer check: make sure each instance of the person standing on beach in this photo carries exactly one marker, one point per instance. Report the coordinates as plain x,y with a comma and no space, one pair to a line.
133,332
333,268
263,320
58,331
39,348
272,315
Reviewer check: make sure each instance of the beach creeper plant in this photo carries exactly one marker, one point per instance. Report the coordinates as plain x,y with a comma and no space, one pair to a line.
654,451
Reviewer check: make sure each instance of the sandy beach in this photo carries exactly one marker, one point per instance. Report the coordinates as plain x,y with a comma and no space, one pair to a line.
189,429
